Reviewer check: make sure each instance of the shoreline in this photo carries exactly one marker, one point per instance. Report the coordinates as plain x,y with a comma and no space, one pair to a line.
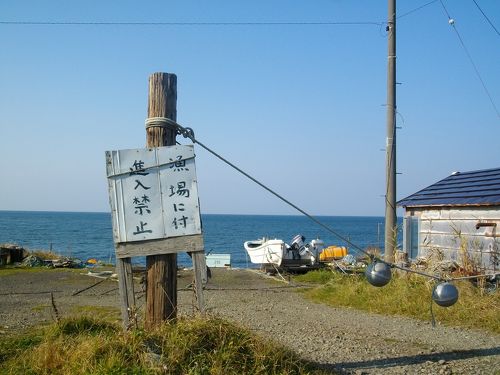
203,214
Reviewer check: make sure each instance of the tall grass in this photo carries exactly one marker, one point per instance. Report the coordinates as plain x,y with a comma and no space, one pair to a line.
197,346
45,254
407,295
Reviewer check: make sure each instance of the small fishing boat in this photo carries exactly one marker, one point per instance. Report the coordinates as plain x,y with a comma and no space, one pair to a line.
265,251
277,253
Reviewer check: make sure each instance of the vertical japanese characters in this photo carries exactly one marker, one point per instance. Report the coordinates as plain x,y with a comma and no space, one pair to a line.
140,203
153,193
178,193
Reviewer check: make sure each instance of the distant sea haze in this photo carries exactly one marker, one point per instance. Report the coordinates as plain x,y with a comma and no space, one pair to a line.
89,235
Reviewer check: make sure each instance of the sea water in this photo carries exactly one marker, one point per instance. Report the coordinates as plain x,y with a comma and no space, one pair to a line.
87,235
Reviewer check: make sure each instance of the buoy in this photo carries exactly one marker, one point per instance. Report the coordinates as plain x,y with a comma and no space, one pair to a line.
378,273
445,294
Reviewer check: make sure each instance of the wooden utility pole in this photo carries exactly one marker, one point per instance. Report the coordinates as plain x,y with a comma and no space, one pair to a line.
390,198
161,292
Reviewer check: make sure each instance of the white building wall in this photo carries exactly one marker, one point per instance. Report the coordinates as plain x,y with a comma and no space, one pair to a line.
454,231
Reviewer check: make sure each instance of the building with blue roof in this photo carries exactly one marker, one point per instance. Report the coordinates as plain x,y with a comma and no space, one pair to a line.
456,219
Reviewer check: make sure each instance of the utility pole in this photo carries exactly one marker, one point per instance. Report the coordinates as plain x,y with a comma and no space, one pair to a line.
390,198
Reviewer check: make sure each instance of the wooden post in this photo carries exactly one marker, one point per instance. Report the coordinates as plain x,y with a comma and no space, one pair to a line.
200,277
126,287
161,292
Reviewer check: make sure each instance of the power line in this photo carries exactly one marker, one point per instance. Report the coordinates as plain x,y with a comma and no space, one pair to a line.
216,23
127,23
417,9
486,17
451,21
445,10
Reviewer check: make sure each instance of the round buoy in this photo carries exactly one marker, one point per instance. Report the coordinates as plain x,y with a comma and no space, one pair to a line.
445,294
378,274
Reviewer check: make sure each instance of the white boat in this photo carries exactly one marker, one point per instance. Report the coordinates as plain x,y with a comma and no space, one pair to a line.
278,253
265,251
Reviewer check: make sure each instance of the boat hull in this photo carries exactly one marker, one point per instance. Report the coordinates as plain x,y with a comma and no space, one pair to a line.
265,251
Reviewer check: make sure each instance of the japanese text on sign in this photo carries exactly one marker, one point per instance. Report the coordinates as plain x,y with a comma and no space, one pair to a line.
153,193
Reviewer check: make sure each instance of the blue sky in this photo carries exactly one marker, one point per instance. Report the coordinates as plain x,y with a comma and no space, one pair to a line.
300,107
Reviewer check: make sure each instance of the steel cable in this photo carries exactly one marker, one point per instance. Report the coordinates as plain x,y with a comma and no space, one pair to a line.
189,133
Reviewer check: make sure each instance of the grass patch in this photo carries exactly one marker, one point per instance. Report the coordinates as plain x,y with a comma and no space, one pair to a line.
12,346
11,270
86,345
39,308
82,326
321,276
407,295
107,313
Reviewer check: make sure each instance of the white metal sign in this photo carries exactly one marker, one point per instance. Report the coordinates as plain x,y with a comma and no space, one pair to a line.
153,193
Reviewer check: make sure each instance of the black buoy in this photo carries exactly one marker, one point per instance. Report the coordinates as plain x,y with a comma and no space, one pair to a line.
445,294
378,273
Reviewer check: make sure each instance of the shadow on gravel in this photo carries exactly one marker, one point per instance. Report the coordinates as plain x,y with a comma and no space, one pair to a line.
422,358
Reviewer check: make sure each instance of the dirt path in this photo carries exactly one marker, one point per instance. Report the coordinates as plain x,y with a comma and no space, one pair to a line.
344,340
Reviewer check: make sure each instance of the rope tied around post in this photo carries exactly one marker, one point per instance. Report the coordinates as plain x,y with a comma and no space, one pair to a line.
165,122
160,122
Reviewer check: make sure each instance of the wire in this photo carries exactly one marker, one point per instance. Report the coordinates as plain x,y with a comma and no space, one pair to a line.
490,275
451,21
414,271
216,23
445,10
250,23
417,9
433,319
188,133
346,240
111,23
486,17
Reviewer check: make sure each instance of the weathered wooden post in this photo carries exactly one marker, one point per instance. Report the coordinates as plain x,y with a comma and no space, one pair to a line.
155,209
161,292
126,288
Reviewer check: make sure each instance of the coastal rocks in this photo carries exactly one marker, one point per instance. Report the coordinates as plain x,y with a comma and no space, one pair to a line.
36,261
12,254
66,263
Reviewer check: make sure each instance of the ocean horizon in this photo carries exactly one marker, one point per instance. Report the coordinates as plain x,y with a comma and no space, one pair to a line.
86,235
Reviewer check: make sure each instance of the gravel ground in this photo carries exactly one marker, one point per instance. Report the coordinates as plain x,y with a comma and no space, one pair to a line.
342,340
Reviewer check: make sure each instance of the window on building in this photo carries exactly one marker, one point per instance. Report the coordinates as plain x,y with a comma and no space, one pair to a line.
411,228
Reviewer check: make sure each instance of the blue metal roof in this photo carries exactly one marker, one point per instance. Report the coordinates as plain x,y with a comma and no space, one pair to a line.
475,188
